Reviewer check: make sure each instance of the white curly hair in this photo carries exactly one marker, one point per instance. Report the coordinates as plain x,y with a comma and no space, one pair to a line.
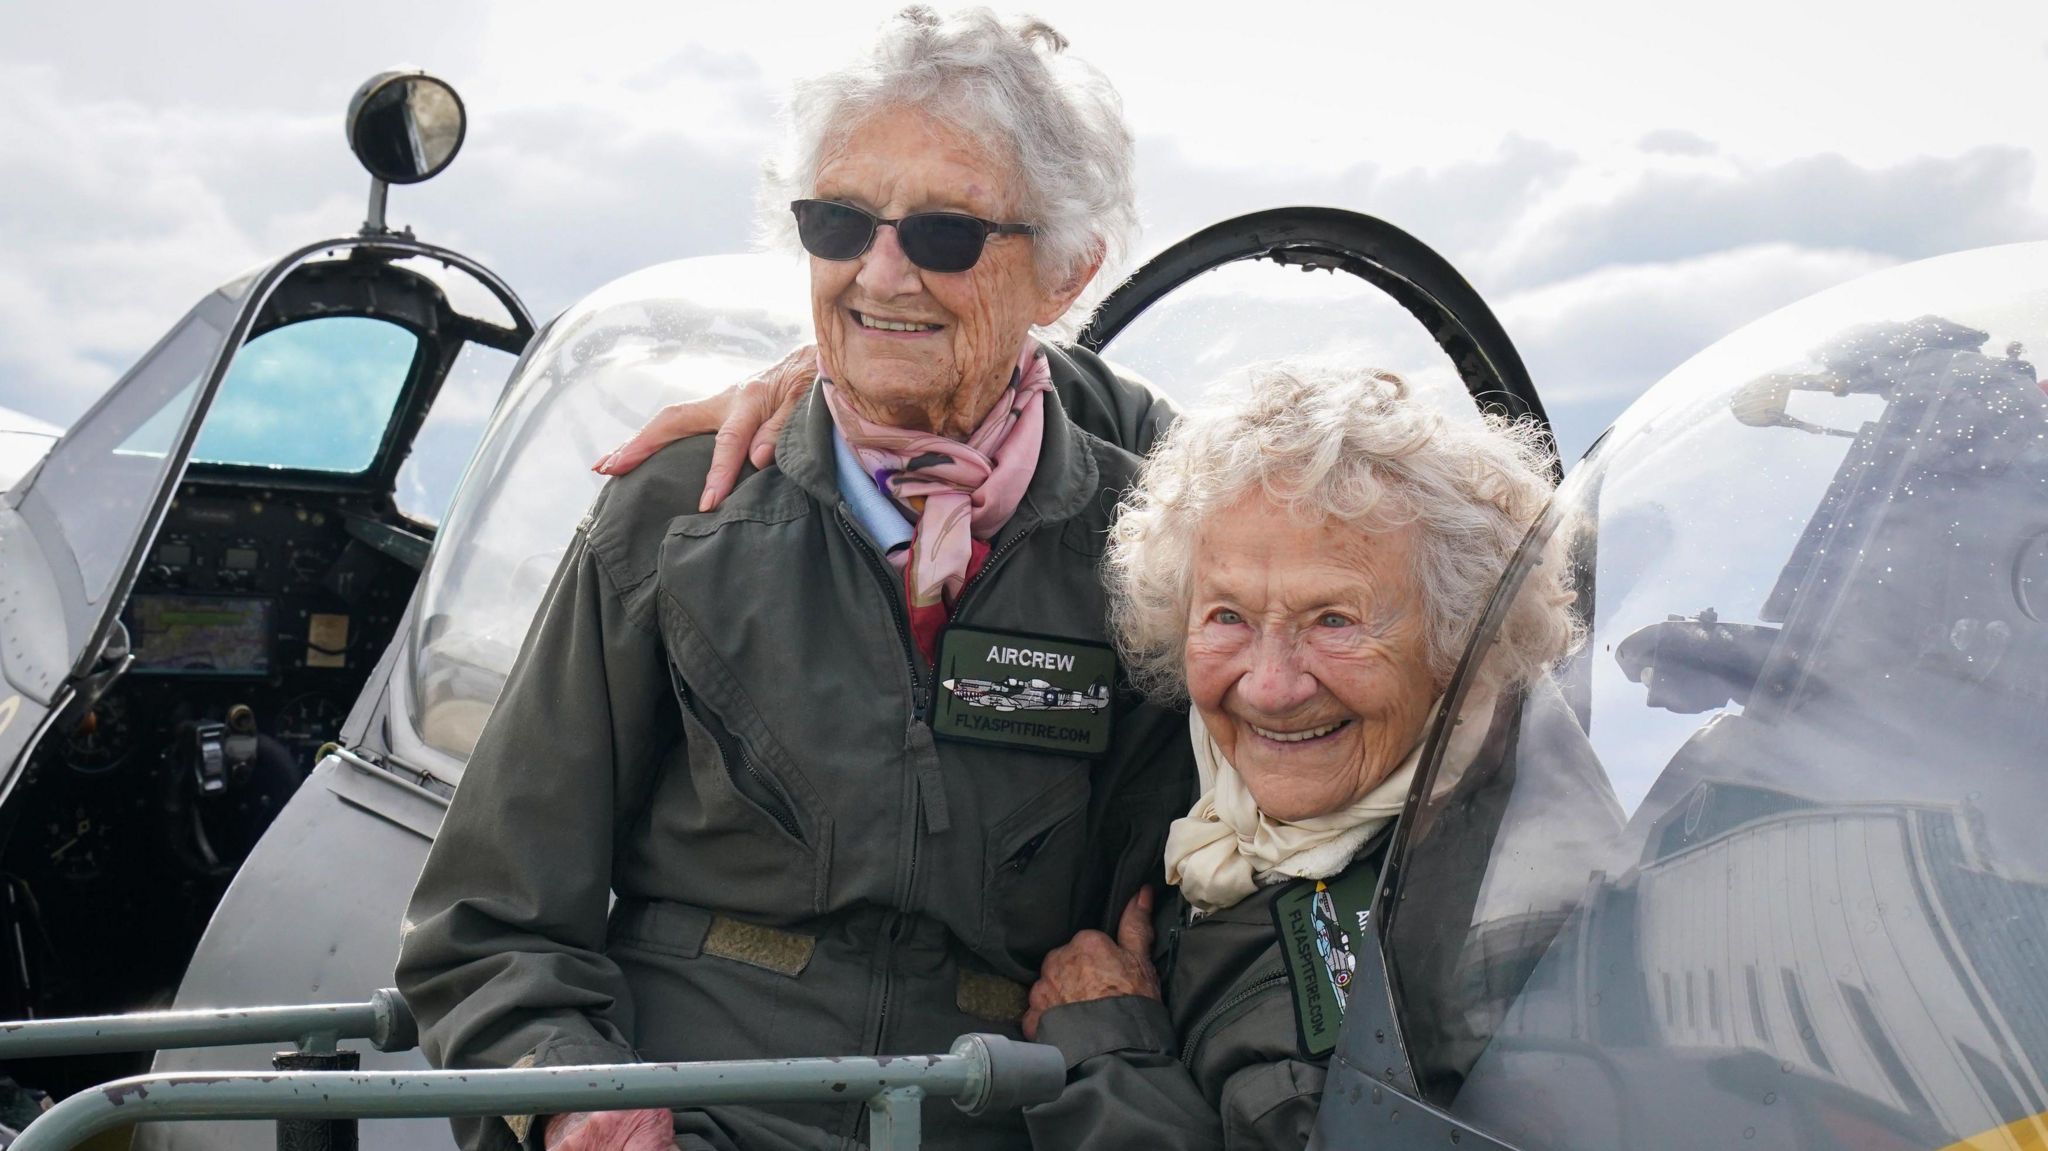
1353,444
1010,84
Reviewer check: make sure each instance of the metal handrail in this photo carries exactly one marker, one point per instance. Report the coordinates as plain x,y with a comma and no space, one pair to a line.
982,1073
384,1020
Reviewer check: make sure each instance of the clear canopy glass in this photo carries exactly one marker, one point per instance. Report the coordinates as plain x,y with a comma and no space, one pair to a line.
1759,864
450,433
1250,311
591,379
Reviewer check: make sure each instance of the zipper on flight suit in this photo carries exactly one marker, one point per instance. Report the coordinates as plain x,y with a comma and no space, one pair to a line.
738,765
892,934
892,926
988,565
924,692
1028,851
896,609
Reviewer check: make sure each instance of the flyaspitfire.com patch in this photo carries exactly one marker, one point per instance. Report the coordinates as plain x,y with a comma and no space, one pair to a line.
1016,689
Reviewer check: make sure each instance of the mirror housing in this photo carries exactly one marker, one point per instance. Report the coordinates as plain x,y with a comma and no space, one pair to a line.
404,127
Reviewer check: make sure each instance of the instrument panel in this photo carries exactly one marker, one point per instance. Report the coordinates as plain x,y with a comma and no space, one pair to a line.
244,582
264,608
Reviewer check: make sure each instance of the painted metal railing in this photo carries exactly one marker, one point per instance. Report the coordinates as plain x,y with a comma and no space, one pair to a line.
317,1027
981,1074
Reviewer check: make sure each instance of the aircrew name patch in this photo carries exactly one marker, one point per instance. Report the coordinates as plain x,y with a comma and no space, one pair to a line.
1014,689
1323,924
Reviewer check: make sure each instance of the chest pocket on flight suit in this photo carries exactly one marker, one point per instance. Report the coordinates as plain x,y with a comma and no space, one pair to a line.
754,846
1033,857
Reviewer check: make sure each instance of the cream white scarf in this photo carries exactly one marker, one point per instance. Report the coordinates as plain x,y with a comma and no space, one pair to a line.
1225,848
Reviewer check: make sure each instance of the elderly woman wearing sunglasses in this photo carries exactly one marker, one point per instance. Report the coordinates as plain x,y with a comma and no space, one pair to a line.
853,751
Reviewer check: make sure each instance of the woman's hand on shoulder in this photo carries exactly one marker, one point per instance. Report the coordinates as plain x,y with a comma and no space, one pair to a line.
649,1130
746,417
1094,966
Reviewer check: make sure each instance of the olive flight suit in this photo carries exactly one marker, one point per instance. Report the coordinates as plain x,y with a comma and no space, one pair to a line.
719,719
1219,1064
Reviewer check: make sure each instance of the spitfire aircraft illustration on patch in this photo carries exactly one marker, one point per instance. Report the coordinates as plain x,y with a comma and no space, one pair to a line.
1335,945
1028,695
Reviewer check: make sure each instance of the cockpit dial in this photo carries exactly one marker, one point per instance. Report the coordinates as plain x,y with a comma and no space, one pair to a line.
102,740
77,843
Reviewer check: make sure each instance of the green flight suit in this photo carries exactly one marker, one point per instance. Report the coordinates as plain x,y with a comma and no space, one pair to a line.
1217,1065
719,719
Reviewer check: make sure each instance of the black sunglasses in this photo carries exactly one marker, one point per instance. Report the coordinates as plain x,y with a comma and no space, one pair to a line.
934,241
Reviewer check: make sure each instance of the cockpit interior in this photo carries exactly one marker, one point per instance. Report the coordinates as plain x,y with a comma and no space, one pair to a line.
276,571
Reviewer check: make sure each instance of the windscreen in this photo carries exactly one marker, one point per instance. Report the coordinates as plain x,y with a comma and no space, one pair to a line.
315,395
1759,864
596,374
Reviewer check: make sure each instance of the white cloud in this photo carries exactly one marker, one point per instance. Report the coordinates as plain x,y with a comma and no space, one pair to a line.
145,209
1464,208
121,229
1644,206
1624,189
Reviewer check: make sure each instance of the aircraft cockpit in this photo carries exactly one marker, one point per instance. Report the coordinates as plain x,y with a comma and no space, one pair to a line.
1759,863
203,571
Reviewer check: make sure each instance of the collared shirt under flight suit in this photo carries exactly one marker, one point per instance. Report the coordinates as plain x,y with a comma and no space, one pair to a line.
719,718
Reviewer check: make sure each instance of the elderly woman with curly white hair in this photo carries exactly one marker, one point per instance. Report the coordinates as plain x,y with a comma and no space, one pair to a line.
1302,561
853,750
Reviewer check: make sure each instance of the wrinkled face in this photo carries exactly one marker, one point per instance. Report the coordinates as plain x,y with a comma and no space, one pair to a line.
968,326
1306,656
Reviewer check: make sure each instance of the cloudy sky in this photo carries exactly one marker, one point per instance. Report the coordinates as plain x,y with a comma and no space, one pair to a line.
1624,185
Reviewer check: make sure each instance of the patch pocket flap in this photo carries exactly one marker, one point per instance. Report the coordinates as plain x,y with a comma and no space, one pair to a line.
755,507
665,928
1271,1105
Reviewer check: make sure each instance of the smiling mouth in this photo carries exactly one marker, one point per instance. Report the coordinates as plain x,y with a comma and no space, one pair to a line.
873,324
1303,736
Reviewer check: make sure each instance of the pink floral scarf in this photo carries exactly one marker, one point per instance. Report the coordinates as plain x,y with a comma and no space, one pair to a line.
958,494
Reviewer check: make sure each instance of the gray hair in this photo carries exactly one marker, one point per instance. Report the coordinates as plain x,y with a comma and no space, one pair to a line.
1353,444
1009,84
